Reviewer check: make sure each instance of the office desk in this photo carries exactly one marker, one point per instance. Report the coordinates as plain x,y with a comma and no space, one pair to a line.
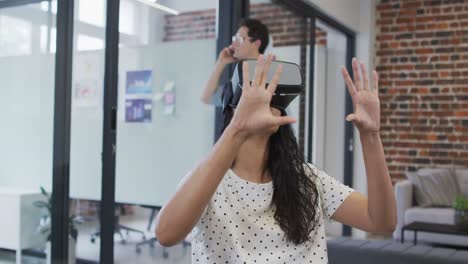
19,219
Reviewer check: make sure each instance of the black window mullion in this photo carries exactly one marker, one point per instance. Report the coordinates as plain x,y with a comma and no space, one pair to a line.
62,119
230,13
107,218
349,127
310,134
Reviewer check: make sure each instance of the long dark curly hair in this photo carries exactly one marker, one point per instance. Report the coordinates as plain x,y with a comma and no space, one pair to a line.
295,194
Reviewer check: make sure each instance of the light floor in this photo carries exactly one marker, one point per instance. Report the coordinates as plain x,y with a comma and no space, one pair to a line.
123,252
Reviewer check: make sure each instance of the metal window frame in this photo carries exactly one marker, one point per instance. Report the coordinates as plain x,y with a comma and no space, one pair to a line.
107,218
310,121
230,14
62,120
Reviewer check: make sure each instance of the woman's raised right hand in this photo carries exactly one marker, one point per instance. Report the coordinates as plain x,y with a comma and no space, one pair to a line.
253,114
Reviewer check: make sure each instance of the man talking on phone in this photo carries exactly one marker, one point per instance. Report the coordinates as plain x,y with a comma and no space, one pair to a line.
249,42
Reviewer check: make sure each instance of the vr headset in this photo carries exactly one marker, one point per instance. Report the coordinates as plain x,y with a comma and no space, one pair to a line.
290,84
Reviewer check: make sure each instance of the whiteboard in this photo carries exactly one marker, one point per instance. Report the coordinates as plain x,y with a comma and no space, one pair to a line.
151,157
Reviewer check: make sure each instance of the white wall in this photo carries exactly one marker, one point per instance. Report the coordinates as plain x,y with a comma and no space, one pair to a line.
345,11
319,103
153,158
188,6
26,98
334,114
27,116
365,51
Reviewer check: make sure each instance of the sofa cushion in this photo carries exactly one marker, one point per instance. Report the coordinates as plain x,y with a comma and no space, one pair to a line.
430,215
462,178
390,253
434,187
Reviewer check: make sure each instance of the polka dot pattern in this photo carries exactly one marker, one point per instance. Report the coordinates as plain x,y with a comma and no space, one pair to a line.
238,225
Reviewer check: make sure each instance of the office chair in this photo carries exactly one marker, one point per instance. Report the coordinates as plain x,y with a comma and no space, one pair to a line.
154,239
118,228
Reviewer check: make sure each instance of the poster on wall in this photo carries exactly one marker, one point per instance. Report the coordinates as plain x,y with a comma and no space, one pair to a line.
169,98
138,110
86,93
139,82
87,86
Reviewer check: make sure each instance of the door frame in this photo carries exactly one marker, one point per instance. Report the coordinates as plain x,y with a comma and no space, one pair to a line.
230,14
309,10
62,127
109,132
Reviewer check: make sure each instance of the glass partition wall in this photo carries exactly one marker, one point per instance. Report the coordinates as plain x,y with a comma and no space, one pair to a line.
136,122
27,71
163,128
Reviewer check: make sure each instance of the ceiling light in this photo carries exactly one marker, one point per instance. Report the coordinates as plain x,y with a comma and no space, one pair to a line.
153,3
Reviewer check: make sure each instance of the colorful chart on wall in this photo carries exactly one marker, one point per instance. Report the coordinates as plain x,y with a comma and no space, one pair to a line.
139,82
87,86
138,110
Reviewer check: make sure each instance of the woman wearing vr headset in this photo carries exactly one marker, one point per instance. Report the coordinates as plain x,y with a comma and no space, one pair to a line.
254,199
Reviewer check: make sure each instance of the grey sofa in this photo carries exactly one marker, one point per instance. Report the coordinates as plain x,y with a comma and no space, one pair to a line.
347,250
408,211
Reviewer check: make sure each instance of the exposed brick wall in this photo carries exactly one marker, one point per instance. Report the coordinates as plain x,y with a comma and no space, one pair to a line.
284,26
422,59
191,25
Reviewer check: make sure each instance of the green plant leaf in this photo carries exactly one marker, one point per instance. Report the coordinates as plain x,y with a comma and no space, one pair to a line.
41,204
44,192
460,203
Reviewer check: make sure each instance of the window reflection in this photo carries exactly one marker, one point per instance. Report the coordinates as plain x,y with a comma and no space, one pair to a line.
92,12
89,43
15,36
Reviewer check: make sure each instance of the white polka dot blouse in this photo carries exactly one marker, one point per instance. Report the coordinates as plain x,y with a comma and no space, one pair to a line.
238,225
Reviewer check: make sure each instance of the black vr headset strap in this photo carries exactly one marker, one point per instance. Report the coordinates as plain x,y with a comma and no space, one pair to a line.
227,95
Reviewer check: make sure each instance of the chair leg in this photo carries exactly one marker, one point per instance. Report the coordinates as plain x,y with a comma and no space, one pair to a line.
131,229
153,212
95,235
122,241
151,242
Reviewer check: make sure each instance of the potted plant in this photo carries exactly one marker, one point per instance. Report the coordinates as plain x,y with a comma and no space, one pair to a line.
44,227
461,212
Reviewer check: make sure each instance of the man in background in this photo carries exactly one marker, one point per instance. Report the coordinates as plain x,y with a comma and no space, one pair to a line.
250,41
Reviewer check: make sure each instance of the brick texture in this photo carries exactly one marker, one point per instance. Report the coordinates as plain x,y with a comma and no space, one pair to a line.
190,26
422,59
284,26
